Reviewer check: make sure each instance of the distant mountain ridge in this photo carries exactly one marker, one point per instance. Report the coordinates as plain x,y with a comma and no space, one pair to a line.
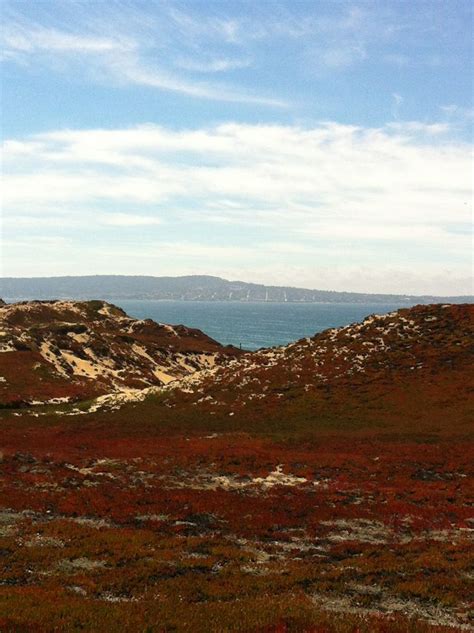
191,288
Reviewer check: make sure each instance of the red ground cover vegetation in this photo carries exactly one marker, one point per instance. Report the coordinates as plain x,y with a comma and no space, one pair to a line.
175,529
345,507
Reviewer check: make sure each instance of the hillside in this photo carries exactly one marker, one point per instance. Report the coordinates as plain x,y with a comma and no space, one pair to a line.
189,288
320,487
369,360
63,351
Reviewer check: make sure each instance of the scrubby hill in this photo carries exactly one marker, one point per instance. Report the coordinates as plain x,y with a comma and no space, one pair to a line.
404,366
63,350
361,366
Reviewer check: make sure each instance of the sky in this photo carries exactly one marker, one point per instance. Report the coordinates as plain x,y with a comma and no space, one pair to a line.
321,144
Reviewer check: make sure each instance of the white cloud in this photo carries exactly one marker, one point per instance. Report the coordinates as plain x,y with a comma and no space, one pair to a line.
128,219
215,65
335,170
395,198
417,127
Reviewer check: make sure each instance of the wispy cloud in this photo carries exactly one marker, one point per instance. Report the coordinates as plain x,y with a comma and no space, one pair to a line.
127,54
457,116
132,70
342,57
31,38
212,65
171,45
397,101
348,38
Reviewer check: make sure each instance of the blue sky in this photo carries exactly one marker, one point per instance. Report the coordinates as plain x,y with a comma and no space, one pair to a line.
322,144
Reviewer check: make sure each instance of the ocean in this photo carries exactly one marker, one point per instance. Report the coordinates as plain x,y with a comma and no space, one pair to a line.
253,325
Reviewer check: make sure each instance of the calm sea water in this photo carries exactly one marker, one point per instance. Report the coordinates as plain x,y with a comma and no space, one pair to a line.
253,325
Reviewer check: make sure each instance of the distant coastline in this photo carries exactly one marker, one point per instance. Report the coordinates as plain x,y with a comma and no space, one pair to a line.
194,288
112,299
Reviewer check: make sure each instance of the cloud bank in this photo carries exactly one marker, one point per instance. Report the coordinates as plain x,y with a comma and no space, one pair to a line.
331,206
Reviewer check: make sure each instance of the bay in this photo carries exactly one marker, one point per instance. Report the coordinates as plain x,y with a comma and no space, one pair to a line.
253,324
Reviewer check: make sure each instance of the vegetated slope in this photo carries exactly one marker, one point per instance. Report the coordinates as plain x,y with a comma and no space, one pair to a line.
159,516
75,350
190,288
412,361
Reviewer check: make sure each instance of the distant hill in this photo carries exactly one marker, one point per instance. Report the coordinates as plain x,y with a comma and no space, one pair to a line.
190,288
